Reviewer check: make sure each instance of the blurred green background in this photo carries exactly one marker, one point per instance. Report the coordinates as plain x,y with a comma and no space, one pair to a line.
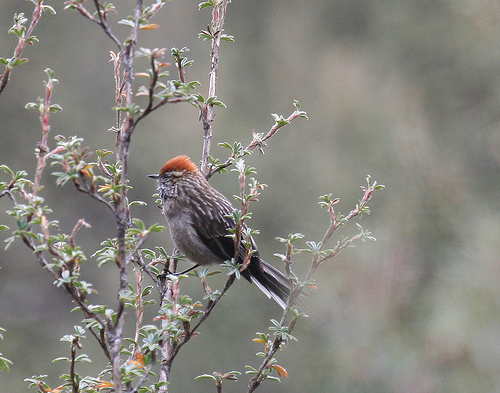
406,91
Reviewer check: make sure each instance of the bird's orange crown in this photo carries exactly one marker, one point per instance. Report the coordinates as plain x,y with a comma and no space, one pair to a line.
179,164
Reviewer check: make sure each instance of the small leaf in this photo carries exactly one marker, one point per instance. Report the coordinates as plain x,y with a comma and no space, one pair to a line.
205,376
48,8
19,62
280,370
226,37
6,169
149,26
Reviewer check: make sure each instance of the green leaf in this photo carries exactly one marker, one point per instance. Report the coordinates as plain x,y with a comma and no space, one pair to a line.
32,105
48,8
31,40
226,37
6,169
140,203
126,22
4,363
280,120
17,30
60,359
302,114
208,3
206,376
214,101
55,108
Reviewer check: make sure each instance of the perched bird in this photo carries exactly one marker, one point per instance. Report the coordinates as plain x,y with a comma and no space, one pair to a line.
198,217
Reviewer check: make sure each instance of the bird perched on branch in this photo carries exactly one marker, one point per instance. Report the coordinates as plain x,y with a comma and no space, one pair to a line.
199,219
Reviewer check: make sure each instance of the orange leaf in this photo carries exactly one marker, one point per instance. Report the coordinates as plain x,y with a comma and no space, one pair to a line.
86,171
56,390
281,370
104,188
259,340
138,360
104,384
149,26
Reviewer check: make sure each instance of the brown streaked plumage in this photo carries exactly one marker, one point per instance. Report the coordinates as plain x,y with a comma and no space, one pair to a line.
199,219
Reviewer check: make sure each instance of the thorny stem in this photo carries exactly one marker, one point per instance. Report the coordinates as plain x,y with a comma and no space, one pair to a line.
207,111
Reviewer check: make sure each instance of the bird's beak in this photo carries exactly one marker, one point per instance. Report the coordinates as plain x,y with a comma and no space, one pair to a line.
154,176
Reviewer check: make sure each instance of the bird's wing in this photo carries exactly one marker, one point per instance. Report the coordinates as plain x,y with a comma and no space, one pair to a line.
212,223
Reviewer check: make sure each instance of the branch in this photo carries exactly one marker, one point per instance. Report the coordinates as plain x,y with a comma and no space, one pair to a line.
104,24
255,382
258,140
24,38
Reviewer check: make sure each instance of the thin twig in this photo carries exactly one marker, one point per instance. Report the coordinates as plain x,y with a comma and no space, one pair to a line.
177,346
104,24
256,142
255,382
37,13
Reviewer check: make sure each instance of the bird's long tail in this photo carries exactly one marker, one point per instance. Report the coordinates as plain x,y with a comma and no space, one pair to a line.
270,280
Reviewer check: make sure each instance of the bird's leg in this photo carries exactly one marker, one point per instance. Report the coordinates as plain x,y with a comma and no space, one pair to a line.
167,272
188,270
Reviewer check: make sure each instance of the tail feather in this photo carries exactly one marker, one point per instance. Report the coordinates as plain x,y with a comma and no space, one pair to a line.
269,280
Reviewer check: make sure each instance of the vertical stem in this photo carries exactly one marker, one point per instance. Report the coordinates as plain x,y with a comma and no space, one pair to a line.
43,148
207,115
122,212
168,348
139,313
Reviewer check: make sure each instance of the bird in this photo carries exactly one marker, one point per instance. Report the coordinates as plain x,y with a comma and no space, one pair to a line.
200,219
